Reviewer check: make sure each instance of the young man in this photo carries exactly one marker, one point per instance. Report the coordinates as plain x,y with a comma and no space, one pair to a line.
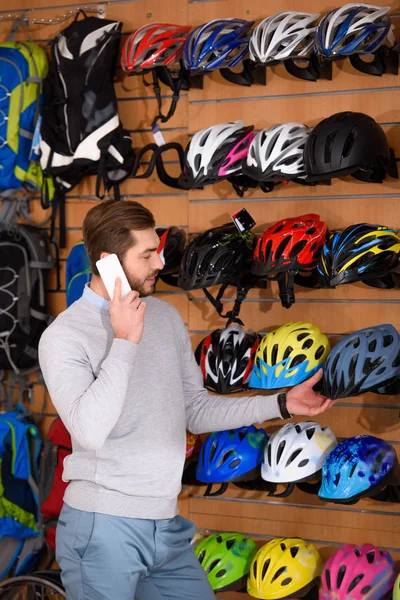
124,380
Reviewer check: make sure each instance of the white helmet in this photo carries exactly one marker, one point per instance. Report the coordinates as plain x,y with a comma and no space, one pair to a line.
296,452
285,35
216,152
354,29
277,153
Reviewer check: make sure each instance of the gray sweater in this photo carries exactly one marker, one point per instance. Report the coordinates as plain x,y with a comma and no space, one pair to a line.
127,406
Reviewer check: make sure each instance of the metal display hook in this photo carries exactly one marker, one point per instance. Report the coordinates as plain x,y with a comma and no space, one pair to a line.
25,17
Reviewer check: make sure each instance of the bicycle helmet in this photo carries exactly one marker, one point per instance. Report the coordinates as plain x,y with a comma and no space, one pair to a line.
226,558
222,43
360,252
193,445
289,355
284,568
289,245
215,153
361,361
231,455
358,467
288,34
276,153
357,572
347,143
353,29
172,244
396,588
220,255
156,47
226,358
296,452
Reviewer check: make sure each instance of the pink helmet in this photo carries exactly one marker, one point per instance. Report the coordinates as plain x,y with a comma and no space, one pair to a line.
357,573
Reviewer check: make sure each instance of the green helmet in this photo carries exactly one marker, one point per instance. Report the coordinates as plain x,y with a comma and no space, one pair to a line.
226,558
396,588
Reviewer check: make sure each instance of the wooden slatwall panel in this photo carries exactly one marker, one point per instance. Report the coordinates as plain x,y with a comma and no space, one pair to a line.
342,203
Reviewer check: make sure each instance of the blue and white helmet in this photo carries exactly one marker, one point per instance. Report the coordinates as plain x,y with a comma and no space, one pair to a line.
354,29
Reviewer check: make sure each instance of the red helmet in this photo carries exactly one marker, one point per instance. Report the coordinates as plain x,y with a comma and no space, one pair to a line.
156,44
193,446
289,245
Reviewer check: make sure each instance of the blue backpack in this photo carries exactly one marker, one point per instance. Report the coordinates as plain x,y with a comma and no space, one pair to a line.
78,272
23,66
20,445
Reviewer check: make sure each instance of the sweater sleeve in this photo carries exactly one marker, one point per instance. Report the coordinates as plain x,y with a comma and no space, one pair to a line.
89,406
206,412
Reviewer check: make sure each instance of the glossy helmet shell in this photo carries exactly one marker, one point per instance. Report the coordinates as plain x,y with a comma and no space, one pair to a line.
215,153
289,355
296,452
284,568
170,250
231,455
356,468
289,245
226,358
362,361
222,43
346,143
276,153
155,44
285,35
358,572
353,29
358,253
226,558
220,255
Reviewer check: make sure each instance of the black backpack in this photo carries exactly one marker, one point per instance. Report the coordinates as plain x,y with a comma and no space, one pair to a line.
81,133
24,266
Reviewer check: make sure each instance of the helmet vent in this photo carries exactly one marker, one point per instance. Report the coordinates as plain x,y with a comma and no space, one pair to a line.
220,573
370,366
288,352
283,546
387,340
303,335
286,581
310,432
337,479
319,352
267,251
197,161
204,138
293,456
370,557
334,364
353,468
328,579
348,145
353,365
219,539
214,448
357,552
298,428
297,248
213,565
278,573
340,576
279,228
281,448
225,457
304,462
293,551
234,463
297,360
355,582
372,346
201,556
265,568
366,589
328,147
255,568
311,231
274,354
307,344
242,434
230,543
269,455
282,246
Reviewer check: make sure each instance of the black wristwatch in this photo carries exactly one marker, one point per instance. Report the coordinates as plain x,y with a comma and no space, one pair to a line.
285,414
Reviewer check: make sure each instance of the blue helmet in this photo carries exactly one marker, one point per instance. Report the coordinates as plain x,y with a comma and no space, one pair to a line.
231,455
222,43
353,29
362,361
357,467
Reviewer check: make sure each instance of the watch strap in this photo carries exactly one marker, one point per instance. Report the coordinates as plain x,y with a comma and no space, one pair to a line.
285,414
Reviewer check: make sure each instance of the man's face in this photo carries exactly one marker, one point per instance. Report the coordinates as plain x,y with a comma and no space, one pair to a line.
142,263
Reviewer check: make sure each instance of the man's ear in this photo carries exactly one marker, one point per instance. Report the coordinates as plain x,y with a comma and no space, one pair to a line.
104,254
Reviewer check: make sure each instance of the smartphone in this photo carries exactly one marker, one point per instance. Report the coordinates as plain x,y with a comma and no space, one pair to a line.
110,268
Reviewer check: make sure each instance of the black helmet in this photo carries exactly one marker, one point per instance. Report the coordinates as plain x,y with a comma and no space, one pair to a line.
172,244
221,255
347,143
226,358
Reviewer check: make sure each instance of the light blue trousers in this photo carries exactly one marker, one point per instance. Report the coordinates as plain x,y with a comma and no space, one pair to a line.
114,558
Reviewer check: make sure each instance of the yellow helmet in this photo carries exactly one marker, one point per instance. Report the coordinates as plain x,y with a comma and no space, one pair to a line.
284,568
289,355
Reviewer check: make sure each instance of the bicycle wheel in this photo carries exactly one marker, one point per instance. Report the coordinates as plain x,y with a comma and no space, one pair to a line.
30,587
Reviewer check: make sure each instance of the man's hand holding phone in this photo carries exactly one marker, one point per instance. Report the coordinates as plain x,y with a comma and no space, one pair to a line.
127,314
